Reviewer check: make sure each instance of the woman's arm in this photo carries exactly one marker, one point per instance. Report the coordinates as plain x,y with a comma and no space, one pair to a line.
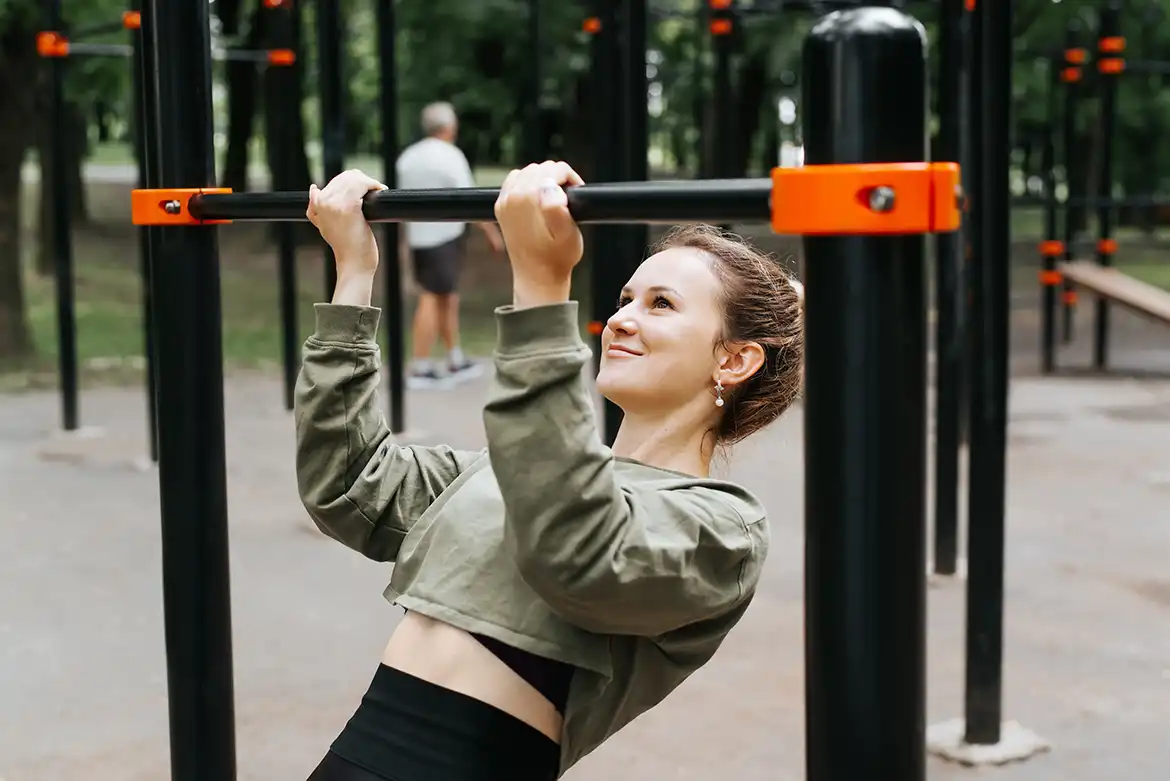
359,487
641,559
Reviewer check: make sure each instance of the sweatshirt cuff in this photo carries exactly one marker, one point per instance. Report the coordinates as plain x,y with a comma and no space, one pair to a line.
551,327
346,324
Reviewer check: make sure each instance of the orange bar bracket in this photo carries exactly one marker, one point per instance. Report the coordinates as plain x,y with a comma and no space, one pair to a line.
970,6
592,25
1107,246
866,199
52,44
1052,249
1111,65
1070,297
170,207
1113,44
276,3
1070,75
1051,278
283,57
1076,56
132,20
721,27
595,327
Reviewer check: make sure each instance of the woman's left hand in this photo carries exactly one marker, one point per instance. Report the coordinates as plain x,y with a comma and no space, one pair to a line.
544,242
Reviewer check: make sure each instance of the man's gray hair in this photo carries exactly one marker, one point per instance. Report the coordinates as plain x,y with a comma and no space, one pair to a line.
438,116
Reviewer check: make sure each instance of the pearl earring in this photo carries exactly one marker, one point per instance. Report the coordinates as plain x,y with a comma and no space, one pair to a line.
718,394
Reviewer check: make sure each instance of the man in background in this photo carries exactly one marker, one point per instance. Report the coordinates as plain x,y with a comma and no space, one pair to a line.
436,250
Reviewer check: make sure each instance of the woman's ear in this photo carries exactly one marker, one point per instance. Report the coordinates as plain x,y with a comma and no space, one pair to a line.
739,363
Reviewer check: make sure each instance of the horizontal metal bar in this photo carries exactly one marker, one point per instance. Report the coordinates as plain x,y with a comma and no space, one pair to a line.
125,50
1095,202
714,201
1147,67
100,49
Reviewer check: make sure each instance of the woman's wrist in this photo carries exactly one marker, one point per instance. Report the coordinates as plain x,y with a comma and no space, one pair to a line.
530,293
354,288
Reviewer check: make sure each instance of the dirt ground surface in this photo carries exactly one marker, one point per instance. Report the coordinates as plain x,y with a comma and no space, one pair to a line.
82,672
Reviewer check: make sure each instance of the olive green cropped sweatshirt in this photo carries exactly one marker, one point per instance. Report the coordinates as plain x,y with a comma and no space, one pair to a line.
545,540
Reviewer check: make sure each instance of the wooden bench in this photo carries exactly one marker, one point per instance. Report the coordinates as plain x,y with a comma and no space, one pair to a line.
1109,283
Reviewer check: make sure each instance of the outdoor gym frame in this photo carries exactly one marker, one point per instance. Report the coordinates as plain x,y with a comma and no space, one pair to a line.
56,44
864,202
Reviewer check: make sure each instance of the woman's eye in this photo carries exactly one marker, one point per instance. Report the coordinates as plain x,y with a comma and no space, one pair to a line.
622,301
660,301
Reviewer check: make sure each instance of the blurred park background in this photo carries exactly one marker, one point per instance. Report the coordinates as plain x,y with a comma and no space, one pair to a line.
475,55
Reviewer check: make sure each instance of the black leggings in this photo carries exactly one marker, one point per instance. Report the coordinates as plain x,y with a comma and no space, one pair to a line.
407,729
336,768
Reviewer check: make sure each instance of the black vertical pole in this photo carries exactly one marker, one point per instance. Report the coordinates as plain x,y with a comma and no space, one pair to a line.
1075,55
1050,248
147,162
192,473
949,300
533,134
285,97
392,309
331,84
61,229
989,385
1110,51
723,23
608,160
636,127
865,100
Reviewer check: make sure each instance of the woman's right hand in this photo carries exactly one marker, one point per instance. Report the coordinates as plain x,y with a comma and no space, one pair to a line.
336,211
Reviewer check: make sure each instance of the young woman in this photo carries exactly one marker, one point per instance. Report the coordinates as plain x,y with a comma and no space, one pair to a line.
555,588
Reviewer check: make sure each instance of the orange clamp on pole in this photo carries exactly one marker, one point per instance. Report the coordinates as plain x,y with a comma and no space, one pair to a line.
1051,248
1107,246
592,25
132,20
1112,44
1076,56
281,57
1051,278
52,44
720,27
866,199
170,206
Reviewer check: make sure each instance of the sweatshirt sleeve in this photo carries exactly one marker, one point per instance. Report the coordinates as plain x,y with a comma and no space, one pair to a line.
608,557
359,487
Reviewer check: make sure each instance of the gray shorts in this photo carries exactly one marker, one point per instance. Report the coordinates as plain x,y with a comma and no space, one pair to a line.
436,269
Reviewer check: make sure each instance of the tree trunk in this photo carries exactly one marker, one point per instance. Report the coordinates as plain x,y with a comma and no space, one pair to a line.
17,72
15,337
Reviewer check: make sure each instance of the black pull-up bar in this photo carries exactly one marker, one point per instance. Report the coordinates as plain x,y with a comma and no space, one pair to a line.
864,204
870,199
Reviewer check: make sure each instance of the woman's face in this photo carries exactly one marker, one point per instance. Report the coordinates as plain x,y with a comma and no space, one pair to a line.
658,348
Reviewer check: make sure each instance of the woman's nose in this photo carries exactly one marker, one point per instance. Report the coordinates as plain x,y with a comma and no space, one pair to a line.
621,322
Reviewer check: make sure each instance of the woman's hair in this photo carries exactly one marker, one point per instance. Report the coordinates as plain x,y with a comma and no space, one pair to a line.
762,302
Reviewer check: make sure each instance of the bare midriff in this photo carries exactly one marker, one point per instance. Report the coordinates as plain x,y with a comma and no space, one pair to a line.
450,657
